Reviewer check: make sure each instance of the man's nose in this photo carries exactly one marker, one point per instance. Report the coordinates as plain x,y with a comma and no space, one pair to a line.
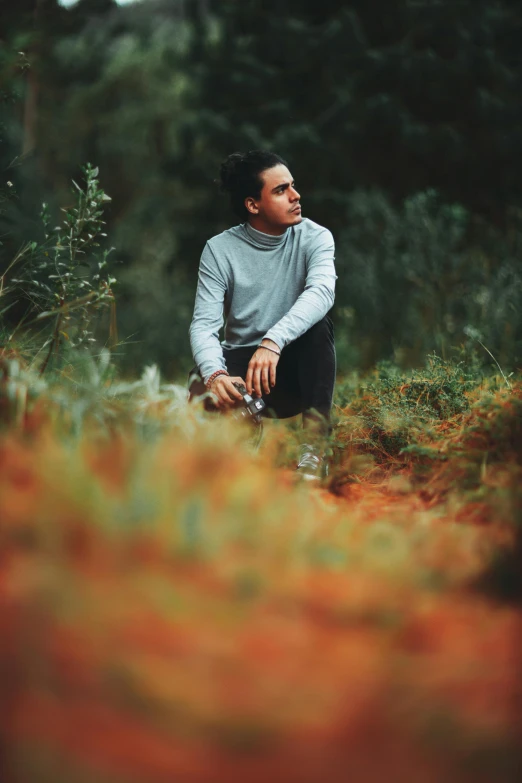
294,195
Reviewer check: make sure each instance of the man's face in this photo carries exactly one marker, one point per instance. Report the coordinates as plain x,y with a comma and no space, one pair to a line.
278,206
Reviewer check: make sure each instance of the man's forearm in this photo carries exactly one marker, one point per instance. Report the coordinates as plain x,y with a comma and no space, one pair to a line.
208,317
206,350
309,308
316,299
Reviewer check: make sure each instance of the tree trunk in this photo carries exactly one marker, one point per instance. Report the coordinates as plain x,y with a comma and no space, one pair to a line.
32,89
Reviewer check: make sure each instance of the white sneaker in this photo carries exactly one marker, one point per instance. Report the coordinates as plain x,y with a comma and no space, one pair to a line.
312,465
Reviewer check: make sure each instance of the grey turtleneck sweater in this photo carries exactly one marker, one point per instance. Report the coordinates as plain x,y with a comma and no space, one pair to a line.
274,287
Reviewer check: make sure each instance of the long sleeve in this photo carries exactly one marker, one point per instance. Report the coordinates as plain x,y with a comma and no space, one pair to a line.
208,316
317,297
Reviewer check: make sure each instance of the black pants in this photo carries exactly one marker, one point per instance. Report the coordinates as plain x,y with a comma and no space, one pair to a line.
305,376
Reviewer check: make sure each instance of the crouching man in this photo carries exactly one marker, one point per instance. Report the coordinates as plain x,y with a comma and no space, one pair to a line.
273,278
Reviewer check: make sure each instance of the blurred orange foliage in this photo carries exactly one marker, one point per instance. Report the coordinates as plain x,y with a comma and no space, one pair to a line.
180,611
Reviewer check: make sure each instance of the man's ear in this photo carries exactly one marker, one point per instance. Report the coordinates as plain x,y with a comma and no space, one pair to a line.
251,205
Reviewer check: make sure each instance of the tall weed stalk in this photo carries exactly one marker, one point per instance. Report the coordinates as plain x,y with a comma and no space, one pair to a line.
65,277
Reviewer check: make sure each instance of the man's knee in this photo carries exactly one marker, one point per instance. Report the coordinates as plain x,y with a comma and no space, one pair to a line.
319,333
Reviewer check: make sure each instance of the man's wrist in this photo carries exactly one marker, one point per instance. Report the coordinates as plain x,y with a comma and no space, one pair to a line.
269,343
269,346
210,380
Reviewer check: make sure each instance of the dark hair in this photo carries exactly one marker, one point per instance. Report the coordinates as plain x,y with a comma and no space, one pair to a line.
240,176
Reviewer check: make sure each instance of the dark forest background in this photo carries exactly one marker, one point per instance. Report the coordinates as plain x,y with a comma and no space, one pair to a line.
401,121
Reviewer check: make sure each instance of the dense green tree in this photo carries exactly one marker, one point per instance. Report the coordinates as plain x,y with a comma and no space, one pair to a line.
399,94
373,104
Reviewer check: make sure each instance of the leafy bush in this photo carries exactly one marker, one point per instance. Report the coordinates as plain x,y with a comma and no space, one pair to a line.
423,276
390,408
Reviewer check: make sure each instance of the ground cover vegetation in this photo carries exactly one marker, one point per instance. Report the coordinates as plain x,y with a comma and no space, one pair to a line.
173,606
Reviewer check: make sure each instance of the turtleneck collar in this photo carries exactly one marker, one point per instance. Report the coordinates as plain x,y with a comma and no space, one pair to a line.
265,241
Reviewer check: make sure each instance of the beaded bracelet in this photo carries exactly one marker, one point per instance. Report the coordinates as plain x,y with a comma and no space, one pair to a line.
214,375
269,349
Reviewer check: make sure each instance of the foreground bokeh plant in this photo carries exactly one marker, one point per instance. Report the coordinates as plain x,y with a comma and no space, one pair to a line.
174,607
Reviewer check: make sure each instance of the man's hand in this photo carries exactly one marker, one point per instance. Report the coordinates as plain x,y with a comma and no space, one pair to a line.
225,391
261,373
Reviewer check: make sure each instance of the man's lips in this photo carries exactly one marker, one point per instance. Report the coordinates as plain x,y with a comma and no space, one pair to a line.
296,209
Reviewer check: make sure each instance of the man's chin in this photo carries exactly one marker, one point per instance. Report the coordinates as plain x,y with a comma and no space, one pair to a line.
295,218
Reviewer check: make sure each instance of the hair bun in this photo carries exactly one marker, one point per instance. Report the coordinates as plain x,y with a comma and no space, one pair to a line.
230,170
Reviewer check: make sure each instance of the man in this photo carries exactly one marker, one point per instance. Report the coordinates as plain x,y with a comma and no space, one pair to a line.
273,277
